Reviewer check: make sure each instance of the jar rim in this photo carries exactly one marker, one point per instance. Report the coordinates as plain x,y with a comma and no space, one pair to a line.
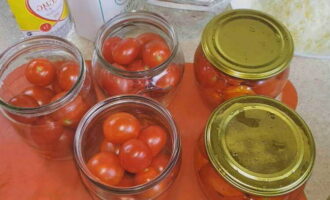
12,52
116,101
130,17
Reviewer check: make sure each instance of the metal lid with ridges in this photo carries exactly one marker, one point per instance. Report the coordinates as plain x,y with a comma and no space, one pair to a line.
260,146
247,44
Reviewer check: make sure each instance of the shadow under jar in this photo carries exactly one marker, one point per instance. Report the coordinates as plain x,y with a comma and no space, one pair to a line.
138,53
242,52
45,89
254,148
117,164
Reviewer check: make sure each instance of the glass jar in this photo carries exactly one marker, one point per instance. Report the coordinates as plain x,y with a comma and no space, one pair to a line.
157,81
188,16
90,139
45,89
242,52
254,148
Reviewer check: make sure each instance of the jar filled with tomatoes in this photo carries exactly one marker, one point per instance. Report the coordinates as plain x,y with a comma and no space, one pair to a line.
138,53
127,147
254,148
242,52
45,90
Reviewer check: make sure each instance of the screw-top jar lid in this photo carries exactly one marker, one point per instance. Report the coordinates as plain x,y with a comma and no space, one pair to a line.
247,44
260,146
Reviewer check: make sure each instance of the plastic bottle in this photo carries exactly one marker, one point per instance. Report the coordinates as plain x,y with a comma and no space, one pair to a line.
41,17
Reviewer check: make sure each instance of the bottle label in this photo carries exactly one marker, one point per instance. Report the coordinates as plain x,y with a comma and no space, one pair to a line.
38,17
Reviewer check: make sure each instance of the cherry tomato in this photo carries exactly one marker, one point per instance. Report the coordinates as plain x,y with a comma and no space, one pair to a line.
155,137
109,147
211,178
126,181
115,85
233,81
137,66
40,72
160,162
23,101
155,53
55,86
46,131
236,91
40,94
68,75
135,156
108,46
126,51
106,167
144,38
120,127
71,113
145,176
155,191
270,87
170,78
212,97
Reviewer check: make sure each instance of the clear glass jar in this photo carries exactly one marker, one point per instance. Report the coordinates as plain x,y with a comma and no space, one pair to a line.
266,152
89,139
242,52
45,114
158,82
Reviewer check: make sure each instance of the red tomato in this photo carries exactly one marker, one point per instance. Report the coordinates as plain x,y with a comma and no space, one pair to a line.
109,147
115,85
154,191
206,75
126,181
160,162
55,86
108,46
120,127
145,176
155,137
270,87
135,156
40,72
63,146
41,94
233,81
68,75
137,66
211,96
71,113
236,91
46,131
23,101
170,78
155,53
106,167
144,38
211,178
126,51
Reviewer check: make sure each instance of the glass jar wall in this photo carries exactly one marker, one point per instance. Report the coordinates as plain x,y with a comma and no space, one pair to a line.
138,53
145,158
242,52
45,89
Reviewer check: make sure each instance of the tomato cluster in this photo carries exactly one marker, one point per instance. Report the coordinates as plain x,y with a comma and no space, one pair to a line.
216,187
132,152
50,81
217,87
142,53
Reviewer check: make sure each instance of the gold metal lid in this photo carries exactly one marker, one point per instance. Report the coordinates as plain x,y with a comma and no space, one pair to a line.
260,146
247,44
